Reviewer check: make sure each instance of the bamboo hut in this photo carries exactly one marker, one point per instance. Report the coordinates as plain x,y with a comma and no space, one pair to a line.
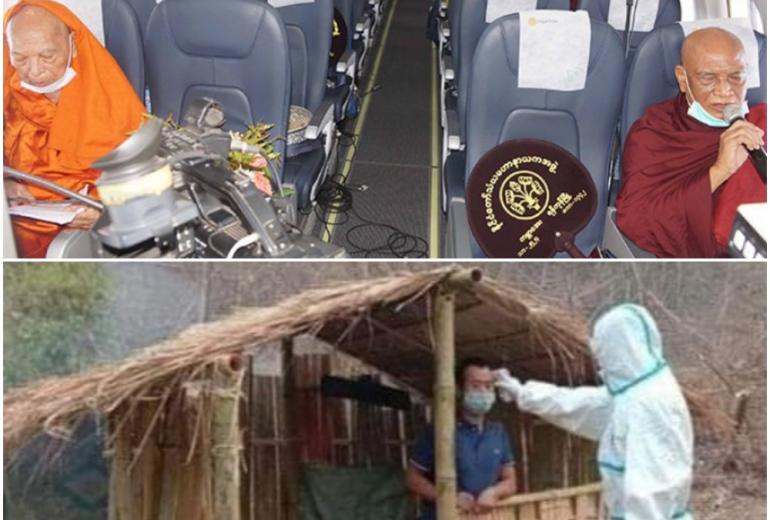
226,420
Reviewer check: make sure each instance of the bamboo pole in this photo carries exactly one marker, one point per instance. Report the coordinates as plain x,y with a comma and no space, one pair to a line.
290,470
463,279
147,465
553,494
121,485
444,403
226,438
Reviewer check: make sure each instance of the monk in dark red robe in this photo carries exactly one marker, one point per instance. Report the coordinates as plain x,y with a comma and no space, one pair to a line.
685,172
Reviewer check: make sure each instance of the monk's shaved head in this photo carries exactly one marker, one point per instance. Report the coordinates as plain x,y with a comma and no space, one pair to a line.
41,47
713,70
710,41
32,18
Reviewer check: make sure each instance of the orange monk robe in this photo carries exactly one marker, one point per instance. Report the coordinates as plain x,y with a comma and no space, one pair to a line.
95,113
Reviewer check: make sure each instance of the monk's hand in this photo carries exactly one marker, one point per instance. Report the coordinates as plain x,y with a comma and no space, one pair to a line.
465,502
733,145
487,501
85,218
17,193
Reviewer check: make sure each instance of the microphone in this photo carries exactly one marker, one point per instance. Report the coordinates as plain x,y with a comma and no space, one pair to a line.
627,32
732,114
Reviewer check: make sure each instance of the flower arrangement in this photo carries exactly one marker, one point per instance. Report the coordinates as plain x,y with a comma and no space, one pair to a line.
251,164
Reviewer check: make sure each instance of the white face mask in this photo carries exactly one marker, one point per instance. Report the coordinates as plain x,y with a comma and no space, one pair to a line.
63,81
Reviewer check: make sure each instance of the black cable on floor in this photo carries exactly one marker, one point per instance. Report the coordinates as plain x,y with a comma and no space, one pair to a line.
334,197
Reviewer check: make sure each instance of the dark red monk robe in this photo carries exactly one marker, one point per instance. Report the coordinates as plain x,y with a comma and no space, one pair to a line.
665,204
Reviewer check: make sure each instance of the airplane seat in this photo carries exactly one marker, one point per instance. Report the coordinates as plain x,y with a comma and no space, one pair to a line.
581,120
143,10
448,35
453,17
669,11
123,38
308,25
651,80
308,30
234,51
357,42
471,20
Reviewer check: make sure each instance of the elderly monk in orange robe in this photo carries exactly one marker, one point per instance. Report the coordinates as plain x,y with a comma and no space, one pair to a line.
685,170
66,103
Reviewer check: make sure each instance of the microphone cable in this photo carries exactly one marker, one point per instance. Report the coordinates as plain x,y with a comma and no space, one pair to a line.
336,198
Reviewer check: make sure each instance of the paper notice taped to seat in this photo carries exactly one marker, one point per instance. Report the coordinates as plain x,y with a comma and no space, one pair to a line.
89,12
286,3
499,8
740,27
643,14
554,47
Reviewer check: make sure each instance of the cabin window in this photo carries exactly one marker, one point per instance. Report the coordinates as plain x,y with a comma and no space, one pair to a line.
752,10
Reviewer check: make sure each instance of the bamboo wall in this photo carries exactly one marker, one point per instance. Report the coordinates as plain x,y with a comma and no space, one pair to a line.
176,456
293,424
547,457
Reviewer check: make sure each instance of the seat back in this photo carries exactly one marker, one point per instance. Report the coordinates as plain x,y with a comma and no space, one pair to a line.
453,14
669,11
143,10
123,38
651,74
581,121
345,7
472,22
308,29
234,51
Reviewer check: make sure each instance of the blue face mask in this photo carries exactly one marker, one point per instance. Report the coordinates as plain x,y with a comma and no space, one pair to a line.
697,112
478,402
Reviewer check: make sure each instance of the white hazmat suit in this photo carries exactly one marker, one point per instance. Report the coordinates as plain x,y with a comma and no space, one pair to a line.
639,418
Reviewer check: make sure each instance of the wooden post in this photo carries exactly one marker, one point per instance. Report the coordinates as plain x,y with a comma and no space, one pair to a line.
290,468
226,438
444,402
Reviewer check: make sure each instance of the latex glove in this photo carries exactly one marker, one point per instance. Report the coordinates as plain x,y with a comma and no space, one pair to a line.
508,386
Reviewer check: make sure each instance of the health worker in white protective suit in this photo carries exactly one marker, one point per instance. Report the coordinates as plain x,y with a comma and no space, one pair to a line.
639,417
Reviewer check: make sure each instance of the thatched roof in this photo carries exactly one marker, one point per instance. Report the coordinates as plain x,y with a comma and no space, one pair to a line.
384,322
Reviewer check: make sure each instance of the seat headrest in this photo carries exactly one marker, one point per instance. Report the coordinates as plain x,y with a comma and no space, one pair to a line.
89,12
499,8
742,28
541,41
643,14
228,31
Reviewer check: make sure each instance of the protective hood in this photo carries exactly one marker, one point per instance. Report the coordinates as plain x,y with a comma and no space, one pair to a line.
627,346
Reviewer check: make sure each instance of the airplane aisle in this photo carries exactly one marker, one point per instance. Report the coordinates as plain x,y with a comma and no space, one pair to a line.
393,154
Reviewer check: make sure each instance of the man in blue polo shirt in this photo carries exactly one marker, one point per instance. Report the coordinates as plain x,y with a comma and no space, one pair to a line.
484,459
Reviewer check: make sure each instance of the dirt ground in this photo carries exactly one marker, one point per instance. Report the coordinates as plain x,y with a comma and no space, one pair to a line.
720,505
729,495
